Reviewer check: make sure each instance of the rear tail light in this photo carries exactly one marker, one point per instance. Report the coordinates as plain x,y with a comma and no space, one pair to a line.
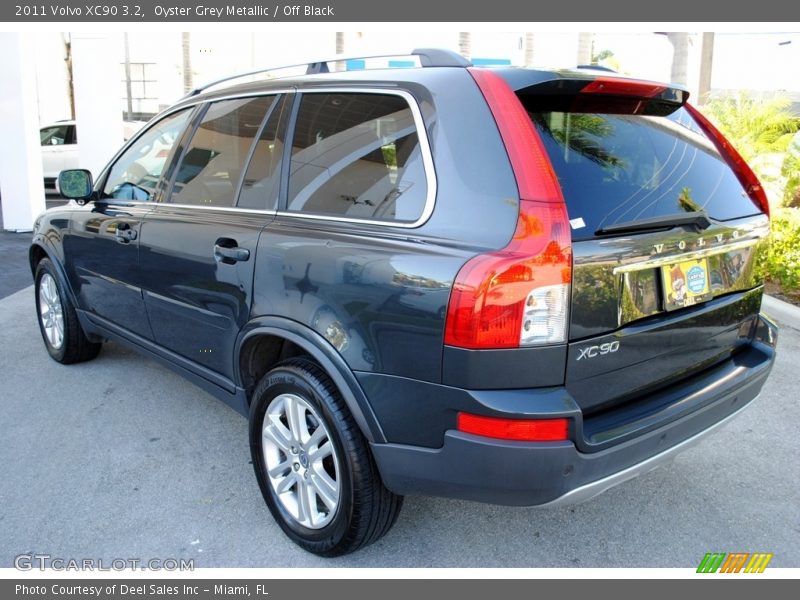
735,161
522,430
517,296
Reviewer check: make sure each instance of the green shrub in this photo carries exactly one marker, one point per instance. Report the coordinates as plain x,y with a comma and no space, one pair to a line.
791,173
781,260
754,125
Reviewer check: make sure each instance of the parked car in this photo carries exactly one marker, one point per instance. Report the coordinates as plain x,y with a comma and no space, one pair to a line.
59,151
60,148
505,285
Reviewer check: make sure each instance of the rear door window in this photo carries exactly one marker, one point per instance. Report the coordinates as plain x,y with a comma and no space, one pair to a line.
212,166
261,182
619,168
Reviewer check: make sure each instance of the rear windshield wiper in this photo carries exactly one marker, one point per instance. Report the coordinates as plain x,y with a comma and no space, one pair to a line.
698,220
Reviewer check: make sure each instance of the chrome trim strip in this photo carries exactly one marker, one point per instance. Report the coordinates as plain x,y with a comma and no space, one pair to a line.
660,261
231,209
154,205
595,488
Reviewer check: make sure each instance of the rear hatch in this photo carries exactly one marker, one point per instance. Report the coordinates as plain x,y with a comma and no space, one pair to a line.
665,235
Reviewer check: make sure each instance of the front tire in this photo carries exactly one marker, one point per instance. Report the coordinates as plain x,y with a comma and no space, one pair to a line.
61,331
313,465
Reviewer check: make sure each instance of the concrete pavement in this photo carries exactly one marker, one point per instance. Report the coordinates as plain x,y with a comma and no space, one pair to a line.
119,458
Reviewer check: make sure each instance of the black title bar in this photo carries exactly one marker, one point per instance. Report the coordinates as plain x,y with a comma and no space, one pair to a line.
182,11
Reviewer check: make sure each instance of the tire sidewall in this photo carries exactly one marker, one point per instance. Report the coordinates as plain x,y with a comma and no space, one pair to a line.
46,267
289,380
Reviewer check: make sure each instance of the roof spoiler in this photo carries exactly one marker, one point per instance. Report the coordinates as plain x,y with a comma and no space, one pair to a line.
606,94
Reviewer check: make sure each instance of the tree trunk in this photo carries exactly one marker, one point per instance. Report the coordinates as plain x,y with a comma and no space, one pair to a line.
67,39
186,45
680,57
706,64
528,49
465,44
585,41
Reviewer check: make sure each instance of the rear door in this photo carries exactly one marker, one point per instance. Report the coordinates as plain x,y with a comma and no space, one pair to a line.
198,247
665,240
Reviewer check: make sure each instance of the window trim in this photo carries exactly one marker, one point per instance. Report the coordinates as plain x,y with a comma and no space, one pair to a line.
425,151
295,94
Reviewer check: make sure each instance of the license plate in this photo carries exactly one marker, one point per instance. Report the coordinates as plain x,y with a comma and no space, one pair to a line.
686,283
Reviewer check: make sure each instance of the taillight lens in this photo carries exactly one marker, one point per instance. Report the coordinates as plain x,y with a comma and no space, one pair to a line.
616,86
743,172
517,296
523,430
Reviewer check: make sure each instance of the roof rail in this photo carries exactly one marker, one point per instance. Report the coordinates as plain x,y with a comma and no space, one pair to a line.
428,57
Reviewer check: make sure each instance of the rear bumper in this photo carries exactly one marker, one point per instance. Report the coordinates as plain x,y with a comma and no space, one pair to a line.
556,473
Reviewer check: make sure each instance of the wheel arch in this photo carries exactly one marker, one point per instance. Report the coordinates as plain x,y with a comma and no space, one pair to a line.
304,340
39,251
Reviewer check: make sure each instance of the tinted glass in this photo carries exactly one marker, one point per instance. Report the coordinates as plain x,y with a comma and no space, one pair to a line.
213,162
621,168
55,136
357,155
136,173
262,181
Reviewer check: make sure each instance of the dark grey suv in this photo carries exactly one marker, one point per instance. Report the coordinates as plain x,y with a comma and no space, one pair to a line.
511,286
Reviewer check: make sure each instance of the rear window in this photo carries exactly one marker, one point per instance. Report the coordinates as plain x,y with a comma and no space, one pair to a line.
619,168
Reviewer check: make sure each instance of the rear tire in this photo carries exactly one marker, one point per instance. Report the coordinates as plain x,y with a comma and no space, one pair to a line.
313,465
61,331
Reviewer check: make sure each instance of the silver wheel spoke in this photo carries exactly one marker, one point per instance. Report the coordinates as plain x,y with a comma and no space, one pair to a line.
325,487
296,415
276,432
316,437
305,506
322,452
281,469
286,483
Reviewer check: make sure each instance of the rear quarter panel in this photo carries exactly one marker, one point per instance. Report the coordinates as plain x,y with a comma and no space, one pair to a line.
379,293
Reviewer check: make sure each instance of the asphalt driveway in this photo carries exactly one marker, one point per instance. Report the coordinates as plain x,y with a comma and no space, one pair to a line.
119,458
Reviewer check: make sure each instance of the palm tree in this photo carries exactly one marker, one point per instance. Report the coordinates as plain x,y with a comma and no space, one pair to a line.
761,129
754,125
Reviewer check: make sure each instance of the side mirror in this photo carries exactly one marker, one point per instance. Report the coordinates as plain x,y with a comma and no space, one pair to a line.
76,184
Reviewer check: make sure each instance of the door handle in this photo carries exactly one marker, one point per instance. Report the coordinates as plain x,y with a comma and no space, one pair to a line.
125,233
230,254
